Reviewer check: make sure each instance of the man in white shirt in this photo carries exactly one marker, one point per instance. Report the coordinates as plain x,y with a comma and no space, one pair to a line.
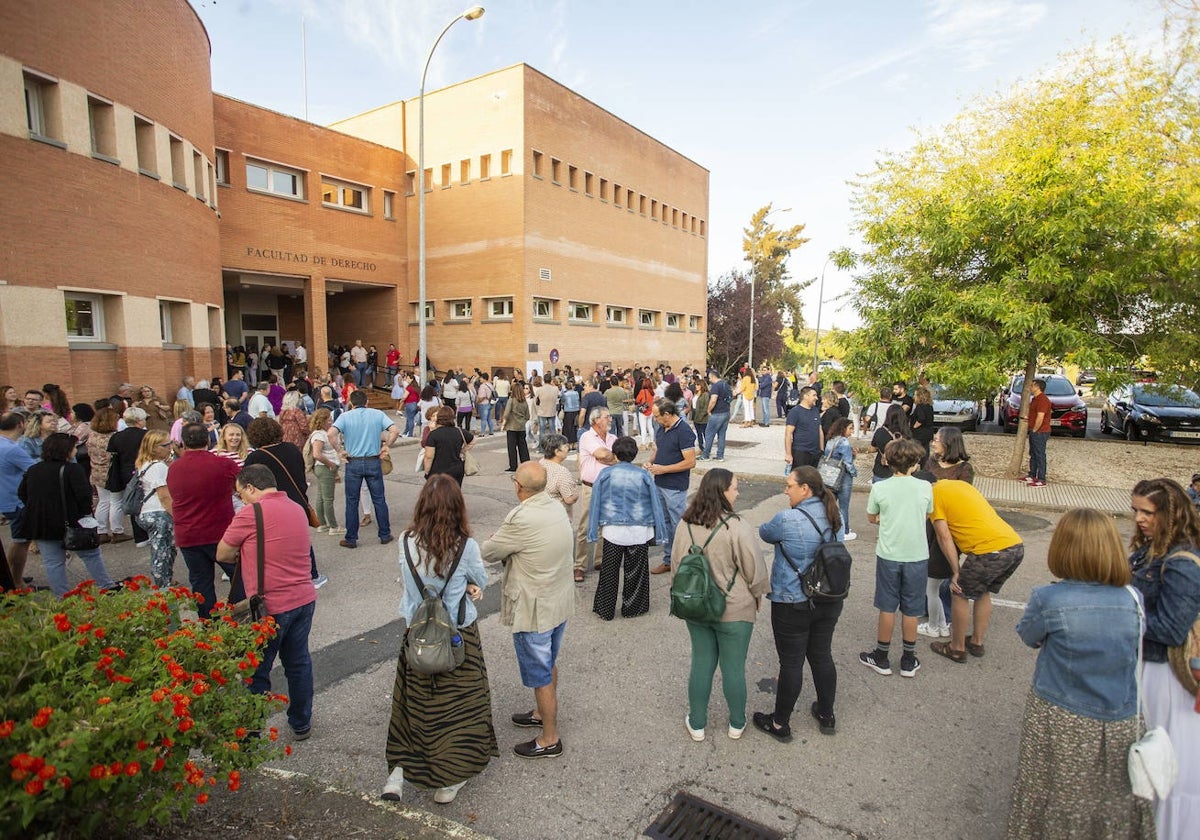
595,454
260,405
300,355
185,393
358,355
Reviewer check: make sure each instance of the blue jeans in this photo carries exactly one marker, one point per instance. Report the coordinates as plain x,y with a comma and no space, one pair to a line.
764,410
410,418
54,558
486,427
290,642
844,502
1037,455
369,470
200,560
545,427
674,502
718,425
701,433
360,374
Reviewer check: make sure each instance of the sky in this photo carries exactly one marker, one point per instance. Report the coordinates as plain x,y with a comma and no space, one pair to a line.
783,102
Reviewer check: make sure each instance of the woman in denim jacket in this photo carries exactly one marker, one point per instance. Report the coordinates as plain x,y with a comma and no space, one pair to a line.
802,630
1081,716
839,449
1167,573
627,511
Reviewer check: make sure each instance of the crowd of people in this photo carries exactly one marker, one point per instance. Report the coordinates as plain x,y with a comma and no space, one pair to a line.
225,469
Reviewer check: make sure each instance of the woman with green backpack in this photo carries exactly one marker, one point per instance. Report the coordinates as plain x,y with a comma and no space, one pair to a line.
737,569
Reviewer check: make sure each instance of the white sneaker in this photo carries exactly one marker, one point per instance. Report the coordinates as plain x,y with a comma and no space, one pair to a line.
393,788
697,734
925,630
849,536
735,732
446,795
944,631
322,529
336,532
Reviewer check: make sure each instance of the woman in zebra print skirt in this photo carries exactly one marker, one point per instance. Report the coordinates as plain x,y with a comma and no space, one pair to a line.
441,734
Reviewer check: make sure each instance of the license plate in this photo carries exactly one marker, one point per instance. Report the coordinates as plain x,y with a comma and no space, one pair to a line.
1190,435
1055,422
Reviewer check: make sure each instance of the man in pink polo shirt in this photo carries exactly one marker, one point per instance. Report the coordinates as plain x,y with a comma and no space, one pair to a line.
289,591
595,453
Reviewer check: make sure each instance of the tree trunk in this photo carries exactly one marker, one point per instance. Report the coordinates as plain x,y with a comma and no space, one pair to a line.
1016,462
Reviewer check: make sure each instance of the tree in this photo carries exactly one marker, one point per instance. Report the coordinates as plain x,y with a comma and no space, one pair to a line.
729,324
767,249
1052,223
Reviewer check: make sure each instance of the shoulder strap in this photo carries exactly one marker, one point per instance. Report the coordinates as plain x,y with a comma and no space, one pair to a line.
723,522
261,546
295,486
820,533
462,605
62,492
1141,633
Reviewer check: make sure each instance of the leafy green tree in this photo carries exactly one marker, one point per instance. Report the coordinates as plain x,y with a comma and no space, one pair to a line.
767,249
1056,222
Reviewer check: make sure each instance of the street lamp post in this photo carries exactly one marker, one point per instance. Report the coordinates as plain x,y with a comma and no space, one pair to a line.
820,301
473,13
750,350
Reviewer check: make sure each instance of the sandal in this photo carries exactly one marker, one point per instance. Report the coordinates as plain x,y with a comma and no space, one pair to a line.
579,575
944,649
974,649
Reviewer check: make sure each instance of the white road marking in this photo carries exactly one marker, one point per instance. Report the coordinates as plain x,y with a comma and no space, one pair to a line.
1003,602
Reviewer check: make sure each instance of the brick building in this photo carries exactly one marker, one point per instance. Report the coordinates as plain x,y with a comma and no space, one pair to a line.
146,221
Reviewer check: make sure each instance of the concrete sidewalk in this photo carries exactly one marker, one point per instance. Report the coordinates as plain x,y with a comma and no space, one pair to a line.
757,452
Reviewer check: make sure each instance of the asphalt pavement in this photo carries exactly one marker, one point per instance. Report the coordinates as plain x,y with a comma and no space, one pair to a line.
932,756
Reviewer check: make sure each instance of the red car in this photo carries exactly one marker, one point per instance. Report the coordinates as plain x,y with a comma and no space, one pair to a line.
1068,412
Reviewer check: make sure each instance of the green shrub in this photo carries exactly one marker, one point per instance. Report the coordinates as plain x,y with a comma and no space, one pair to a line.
113,709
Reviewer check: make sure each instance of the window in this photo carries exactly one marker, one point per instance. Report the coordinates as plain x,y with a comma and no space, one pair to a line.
702,228
665,211
429,179
460,310
500,308
616,196
464,171
506,162
604,189
573,177
485,166
164,320
103,128
42,113
222,159
389,204
642,204
674,320
445,175
647,318
85,317
674,217
147,146
198,173
276,179
543,308
556,170
344,195
684,219
212,184
694,322
410,183
616,314
588,185
537,164
653,210
428,310
178,164
580,311
629,200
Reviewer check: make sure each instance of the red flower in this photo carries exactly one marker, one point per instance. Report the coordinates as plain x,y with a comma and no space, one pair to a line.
287,750
47,772
116,768
103,701
273,733
21,761
242,666
42,717
158,765
142,745
158,695
64,781
99,771
201,798
132,768
6,728
167,742
240,732
19,775
34,786
199,688
99,633
185,724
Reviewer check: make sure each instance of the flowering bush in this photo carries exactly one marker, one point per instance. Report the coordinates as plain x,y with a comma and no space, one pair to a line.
112,707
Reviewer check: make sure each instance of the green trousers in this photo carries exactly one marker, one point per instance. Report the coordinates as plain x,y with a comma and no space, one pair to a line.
724,644
324,506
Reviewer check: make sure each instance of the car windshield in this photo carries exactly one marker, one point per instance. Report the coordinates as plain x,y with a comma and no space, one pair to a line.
1055,387
941,392
1165,396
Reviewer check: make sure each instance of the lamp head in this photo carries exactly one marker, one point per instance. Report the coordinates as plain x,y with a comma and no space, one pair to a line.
473,13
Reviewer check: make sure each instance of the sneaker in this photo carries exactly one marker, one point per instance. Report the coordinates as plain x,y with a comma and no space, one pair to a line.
532,749
925,630
909,665
827,724
322,529
697,734
702,458
393,788
319,581
142,544
1026,479
849,536
302,735
224,577
446,795
337,532
1038,483
878,664
766,723
944,631
719,458
735,732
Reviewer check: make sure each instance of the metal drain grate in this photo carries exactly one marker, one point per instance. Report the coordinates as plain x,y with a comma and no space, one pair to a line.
690,818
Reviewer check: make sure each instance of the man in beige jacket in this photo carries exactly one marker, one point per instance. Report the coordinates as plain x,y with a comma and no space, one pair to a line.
535,546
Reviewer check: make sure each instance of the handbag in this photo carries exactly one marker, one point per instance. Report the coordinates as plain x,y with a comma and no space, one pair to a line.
470,465
253,607
313,521
385,461
833,473
1153,767
75,536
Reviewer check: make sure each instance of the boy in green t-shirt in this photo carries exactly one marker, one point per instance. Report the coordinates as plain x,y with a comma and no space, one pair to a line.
899,506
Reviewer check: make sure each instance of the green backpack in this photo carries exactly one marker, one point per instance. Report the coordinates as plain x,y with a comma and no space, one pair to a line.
695,595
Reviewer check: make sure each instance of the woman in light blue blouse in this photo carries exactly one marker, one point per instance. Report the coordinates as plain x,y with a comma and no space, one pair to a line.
440,734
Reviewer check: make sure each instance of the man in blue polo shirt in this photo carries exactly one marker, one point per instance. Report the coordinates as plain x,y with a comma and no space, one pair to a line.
361,431
803,440
671,465
14,461
719,399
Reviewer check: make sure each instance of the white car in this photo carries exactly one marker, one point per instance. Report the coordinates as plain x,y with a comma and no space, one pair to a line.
949,411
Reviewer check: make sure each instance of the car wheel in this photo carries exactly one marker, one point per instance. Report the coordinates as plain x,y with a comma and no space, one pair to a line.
971,427
1131,433
1105,429
1080,433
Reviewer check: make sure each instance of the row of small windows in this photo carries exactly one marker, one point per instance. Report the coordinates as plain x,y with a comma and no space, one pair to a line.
44,118
85,318
468,169
501,308
610,191
289,182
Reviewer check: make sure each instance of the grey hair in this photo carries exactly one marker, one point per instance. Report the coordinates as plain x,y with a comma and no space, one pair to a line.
551,443
134,415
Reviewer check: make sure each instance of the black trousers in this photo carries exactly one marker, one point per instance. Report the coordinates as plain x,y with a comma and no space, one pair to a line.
804,631
635,597
805,459
518,448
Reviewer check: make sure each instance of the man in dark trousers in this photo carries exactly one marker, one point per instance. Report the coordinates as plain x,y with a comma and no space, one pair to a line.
803,440
124,446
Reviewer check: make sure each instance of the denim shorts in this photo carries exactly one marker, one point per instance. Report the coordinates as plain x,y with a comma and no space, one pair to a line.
536,655
980,573
900,586
13,524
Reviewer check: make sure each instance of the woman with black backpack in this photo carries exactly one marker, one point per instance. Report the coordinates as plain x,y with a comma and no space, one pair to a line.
737,568
803,629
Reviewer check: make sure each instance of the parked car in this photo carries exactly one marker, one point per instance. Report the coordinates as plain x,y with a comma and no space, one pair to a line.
1086,377
1148,411
1068,411
949,410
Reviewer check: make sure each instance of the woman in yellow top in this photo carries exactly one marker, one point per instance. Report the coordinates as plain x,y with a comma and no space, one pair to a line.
748,389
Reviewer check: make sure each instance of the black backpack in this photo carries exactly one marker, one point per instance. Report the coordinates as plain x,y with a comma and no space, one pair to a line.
827,578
